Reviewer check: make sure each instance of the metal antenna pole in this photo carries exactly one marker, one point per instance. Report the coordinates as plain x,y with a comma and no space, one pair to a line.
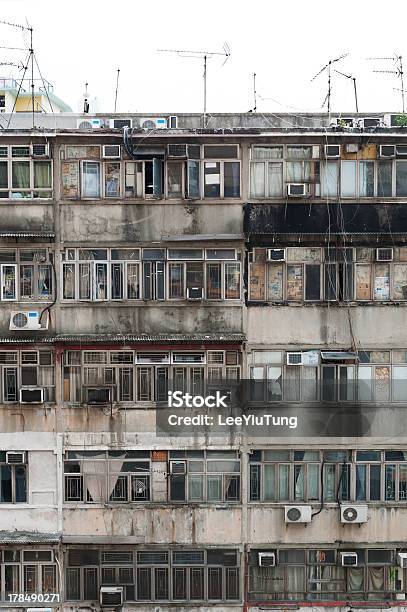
254,93
32,75
329,87
328,68
402,82
204,104
356,94
398,59
117,89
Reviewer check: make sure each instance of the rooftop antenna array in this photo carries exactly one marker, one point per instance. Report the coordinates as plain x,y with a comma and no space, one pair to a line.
328,68
201,55
397,70
117,89
350,76
31,59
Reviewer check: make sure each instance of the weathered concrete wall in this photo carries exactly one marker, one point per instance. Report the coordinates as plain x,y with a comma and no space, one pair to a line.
27,215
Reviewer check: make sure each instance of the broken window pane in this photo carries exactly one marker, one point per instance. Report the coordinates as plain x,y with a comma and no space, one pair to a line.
68,281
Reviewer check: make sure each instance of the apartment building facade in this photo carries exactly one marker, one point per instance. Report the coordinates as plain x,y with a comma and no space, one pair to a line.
261,249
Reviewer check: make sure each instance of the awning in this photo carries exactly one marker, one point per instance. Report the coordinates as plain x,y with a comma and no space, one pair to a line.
28,537
198,338
17,234
203,237
338,356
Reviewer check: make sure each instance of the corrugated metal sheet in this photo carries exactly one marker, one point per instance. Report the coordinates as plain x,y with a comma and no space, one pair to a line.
28,537
16,234
197,237
106,338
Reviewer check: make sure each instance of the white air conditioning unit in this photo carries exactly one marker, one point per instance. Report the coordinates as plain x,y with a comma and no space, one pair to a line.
354,513
40,150
384,254
275,254
177,150
153,123
402,559
352,147
12,457
347,122
173,122
119,124
387,151
294,358
111,597
296,190
194,293
111,151
99,395
297,514
370,122
178,468
25,320
266,559
31,395
332,150
349,559
89,123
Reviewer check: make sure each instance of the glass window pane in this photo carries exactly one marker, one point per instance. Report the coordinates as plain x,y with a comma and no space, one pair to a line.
348,179
231,178
21,174
212,180
269,483
42,175
384,179
3,175
257,179
91,180
366,179
174,179
275,180
401,178
112,179
329,179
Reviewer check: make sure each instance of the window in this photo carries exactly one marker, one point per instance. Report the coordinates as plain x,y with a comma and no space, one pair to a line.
112,179
29,368
112,477
155,575
212,476
90,179
28,571
144,179
28,278
22,177
13,481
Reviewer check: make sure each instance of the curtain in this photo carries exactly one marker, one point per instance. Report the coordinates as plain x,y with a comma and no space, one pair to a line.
95,480
348,179
375,578
257,180
329,179
21,175
91,180
133,287
115,473
42,175
275,179
195,487
44,282
295,580
355,578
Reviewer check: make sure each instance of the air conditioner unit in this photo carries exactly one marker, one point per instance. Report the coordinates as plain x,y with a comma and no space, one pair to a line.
354,513
352,147
13,457
402,559
89,123
387,151
99,395
111,597
194,293
119,124
343,121
178,467
153,123
111,151
332,150
294,358
275,254
384,254
173,122
40,150
177,150
297,514
266,559
370,122
349,559
31,395
24,320
296,190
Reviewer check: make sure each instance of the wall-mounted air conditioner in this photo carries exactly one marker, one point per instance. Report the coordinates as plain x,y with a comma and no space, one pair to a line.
31,395
294,358
40,150
153,123
348,559
266,559
98,395
26,320
402,559
384,254
178,467
387,151
354,513
297,514
275,254
332,150
111,151
111,597
352,147
296,190
177,150
194,293
173,122
89,123
119,124
14,457
369,122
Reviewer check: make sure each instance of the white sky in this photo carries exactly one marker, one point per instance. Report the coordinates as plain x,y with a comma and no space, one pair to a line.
285,43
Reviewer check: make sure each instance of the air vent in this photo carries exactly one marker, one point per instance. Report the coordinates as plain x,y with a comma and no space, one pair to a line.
13,457
297,514
266,559
354,513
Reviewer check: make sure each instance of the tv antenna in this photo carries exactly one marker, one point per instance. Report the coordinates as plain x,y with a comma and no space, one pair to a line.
201,55
350,76
328,68
117,89
31,59
254,109
398,71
